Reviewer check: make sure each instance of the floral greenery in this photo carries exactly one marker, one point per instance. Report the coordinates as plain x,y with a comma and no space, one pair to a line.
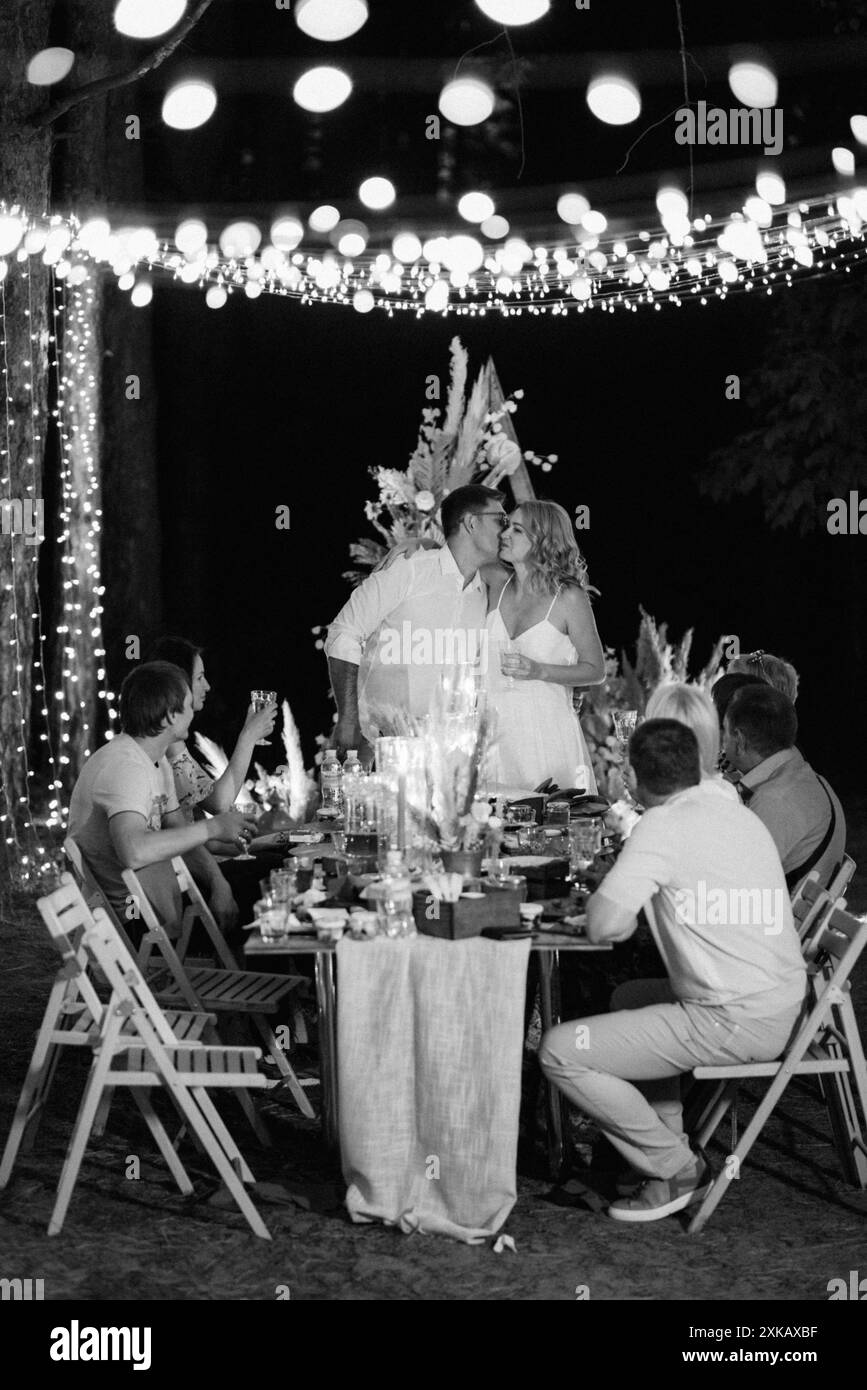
467,444
629,687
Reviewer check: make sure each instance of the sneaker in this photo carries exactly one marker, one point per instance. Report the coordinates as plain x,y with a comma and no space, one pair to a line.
658,1197
628,1181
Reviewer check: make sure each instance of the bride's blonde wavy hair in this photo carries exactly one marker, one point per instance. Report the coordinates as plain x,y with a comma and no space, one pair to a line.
555,558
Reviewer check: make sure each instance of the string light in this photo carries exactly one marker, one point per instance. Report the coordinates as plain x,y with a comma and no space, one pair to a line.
31,858
672,264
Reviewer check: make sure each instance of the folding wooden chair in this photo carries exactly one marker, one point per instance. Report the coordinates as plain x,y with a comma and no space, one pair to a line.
841,880
72,1018
809,903
197,910
162,981
826,1044
137,1047
229,990
76,1017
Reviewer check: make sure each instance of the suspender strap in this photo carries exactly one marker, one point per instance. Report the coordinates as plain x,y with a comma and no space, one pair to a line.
794,876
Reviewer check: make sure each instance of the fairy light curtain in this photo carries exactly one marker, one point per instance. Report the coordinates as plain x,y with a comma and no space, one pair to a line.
62,710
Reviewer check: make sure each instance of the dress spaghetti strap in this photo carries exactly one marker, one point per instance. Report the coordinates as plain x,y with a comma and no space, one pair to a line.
553,601
502,591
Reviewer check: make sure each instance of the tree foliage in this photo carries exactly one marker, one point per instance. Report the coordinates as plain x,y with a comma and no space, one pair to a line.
808,442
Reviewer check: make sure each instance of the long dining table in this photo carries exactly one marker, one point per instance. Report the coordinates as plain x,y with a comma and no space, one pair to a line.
547,946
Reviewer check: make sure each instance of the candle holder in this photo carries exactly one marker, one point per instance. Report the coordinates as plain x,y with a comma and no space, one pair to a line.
401,768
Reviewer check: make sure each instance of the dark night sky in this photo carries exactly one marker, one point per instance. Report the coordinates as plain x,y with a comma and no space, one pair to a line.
270,402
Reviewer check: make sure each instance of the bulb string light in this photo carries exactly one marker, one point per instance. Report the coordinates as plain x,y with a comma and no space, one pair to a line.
681,261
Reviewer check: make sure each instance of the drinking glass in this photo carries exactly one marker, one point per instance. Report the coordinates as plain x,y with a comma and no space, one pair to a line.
261,698
283,885
509,657
245,837
585,843
625,721
519,815
498,871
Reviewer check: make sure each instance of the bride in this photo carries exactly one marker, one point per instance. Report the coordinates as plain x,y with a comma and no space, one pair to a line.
542,642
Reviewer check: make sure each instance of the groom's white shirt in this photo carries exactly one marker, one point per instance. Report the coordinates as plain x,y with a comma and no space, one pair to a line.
395,627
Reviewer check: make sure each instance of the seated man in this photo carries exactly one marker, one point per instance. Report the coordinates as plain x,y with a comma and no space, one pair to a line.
124,812
736,980
799,808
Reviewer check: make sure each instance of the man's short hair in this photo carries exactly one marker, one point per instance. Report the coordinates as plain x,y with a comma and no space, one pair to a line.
766,718
466,501
150,694
723,690
664,756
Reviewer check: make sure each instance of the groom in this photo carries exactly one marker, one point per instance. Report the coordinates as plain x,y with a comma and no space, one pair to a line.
403,626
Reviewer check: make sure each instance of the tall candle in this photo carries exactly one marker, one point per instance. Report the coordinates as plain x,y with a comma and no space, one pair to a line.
401,811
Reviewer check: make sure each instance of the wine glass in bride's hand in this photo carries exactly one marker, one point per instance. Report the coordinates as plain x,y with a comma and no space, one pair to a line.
260,699
510,658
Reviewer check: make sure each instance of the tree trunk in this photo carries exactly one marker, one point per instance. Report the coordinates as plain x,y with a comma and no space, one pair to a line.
24,179
98,166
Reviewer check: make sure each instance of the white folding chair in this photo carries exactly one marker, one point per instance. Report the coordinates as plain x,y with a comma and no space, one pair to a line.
228,990
841,880
163,981
809,902
72,1018
826,1044
135,1045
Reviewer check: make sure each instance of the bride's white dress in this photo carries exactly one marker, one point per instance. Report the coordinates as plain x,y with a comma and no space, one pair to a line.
538,733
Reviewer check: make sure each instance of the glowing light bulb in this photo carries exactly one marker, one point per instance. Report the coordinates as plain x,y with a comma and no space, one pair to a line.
50,65
514,11
191,236
189,104
475,207
322,89
614,99
330,20
324,218
406,247
377,193
753,84
466,101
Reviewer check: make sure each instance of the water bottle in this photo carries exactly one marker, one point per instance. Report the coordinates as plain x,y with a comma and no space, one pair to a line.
395,897
331,785
352,765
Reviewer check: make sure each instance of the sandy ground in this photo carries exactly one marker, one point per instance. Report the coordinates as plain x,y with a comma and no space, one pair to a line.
784,1230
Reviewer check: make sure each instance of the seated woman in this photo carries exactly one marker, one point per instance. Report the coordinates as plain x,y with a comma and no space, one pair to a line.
692,706
771,669
197,792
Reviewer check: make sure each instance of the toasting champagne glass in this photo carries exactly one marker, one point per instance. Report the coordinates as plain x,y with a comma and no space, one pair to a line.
260,700
625,721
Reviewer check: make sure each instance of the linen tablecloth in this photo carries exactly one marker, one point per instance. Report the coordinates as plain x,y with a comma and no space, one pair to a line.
429,1046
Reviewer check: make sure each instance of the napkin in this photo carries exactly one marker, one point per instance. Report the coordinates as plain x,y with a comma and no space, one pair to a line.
445,888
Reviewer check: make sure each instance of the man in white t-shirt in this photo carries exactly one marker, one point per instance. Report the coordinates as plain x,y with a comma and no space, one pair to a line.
124,813
710,877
